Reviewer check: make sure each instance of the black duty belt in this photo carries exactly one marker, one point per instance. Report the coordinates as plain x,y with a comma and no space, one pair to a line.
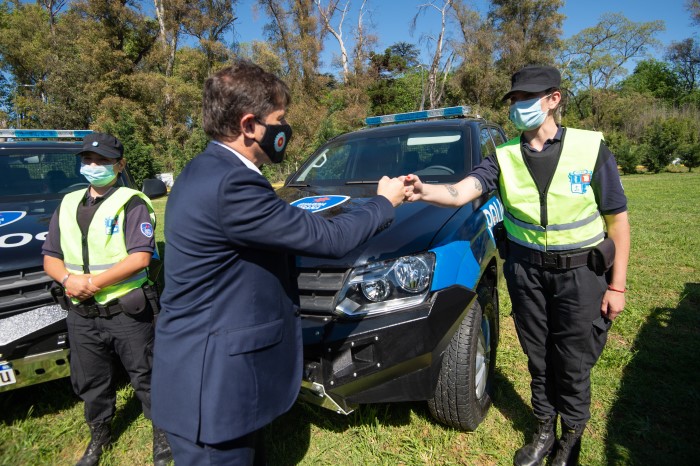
549,260
97,310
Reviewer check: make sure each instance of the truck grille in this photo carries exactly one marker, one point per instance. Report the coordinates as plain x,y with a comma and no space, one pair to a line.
23,290
318,289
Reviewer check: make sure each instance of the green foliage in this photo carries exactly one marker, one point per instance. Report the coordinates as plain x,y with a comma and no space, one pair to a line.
626,153
138,154
527,32
668,139
93,63
654,78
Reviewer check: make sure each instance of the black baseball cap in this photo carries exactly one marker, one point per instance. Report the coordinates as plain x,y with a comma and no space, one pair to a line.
534,79
104,144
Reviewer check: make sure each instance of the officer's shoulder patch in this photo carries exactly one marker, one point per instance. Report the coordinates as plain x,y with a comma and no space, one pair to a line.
147,229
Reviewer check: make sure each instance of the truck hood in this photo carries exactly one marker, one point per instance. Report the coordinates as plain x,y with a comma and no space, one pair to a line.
23,228
413,230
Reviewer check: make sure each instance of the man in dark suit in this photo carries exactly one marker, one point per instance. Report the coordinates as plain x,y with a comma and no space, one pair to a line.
228,351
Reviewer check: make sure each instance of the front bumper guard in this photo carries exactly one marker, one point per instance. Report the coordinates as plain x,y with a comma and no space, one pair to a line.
315,393
38,368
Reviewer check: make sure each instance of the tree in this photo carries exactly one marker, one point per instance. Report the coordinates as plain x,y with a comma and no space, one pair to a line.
408,52
663,139
170,15
480,81
685,57
327,14
626,153
595,58
208,21
693,7
363,42
295,32
528,32
690,155
439,69
52,8
653,77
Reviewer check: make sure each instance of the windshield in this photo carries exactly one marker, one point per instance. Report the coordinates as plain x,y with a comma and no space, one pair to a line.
436,156
40,174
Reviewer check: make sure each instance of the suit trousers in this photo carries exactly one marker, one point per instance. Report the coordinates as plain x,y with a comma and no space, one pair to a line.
559,324
248,450
93,341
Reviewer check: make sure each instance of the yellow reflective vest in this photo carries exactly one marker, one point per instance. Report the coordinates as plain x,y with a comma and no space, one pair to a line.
573,220
104,245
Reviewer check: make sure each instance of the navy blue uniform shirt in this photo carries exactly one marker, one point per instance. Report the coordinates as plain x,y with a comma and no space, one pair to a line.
606,184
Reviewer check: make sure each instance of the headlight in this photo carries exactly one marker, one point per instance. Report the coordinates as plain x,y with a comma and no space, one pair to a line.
386,286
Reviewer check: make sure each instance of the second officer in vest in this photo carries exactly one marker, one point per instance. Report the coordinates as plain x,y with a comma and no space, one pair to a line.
99,247
565,227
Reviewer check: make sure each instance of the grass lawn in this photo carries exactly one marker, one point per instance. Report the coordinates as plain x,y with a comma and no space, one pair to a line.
646,387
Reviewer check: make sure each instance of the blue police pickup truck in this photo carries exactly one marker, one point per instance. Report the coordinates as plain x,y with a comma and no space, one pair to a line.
37,168
413,313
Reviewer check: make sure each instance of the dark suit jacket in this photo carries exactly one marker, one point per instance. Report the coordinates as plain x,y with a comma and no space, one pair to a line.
228,349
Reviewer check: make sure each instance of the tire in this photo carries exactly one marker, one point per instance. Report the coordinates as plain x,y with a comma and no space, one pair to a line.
463,392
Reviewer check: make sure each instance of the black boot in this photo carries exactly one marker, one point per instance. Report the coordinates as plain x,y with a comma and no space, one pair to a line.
542,443
100,438
568,446
162,455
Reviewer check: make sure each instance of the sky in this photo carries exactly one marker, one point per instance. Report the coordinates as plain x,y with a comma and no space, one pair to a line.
391,19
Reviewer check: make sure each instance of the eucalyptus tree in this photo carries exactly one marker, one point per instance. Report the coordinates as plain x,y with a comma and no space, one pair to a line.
527,32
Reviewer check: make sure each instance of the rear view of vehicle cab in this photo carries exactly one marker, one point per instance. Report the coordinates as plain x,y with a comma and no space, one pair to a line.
413,313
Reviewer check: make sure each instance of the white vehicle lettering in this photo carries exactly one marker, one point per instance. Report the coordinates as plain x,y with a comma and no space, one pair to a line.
16,240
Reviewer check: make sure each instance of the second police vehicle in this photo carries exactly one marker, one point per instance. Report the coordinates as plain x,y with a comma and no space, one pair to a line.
37,168
412,314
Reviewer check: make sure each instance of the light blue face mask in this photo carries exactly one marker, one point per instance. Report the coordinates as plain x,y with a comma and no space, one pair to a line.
528,114
98,175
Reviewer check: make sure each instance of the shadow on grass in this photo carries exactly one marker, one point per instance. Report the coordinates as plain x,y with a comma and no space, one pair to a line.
288,438
36,401
656,417
57,395
509,402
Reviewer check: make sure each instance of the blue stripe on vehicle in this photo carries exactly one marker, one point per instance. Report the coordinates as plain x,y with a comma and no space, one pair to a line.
455,265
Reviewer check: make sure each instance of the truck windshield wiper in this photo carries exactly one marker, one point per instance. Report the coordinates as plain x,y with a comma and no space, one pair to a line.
298,185
362,182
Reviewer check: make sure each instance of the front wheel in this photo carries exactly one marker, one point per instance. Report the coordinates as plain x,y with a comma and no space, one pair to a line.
463,393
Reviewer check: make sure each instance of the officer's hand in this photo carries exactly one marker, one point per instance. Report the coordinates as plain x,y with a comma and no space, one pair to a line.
79,287
392,189
413,188
613,303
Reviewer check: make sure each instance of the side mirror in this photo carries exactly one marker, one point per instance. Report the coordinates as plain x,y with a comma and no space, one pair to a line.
154,188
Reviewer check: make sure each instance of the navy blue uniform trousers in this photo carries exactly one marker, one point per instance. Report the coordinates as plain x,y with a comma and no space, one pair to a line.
93,341
561,330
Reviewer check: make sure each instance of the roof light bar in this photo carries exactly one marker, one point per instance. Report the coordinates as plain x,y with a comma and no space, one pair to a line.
44,133
462,110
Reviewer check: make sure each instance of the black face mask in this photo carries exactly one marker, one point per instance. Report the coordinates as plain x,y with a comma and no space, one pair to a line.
275,140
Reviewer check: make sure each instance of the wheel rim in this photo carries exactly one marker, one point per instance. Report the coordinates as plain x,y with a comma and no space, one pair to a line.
483,358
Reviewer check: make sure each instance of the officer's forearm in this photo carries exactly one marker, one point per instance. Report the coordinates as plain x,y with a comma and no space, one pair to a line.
452,195
54,268
130,265
619,231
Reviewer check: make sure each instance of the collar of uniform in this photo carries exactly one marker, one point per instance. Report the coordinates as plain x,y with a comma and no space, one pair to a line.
89,200
547,143
245,161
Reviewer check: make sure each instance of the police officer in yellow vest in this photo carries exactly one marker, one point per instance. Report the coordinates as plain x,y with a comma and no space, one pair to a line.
99,246
566,252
